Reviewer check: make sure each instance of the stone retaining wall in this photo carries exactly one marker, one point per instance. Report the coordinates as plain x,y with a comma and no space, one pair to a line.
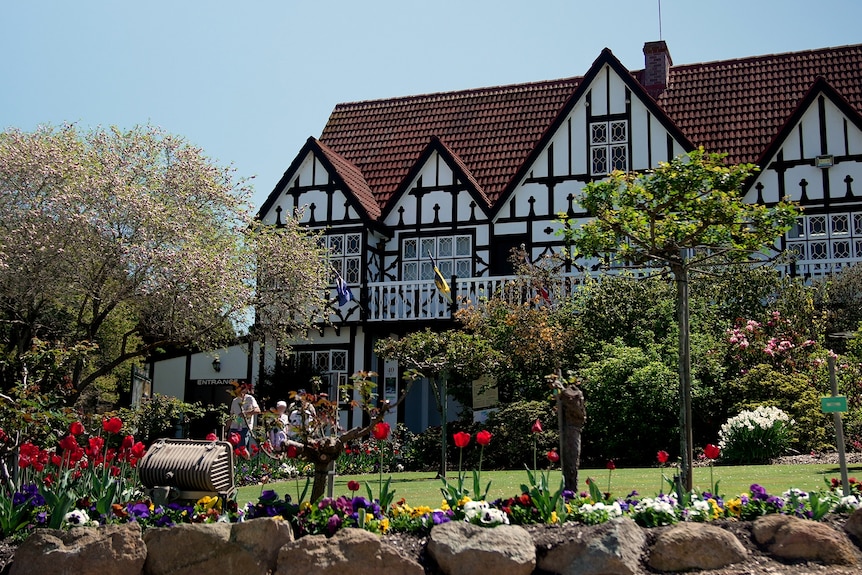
267,546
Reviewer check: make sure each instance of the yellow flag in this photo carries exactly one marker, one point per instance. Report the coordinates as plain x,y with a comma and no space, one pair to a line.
441,283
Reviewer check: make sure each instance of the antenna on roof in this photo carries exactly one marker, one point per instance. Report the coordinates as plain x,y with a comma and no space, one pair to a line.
659,20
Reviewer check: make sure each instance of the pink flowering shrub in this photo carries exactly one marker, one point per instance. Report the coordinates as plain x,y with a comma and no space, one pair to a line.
774,341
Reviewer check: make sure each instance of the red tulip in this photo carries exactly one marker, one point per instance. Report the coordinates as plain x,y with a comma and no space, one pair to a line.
77,428
112,425
611,465
68,443
662,456
380,430
292,452
537,427
211,437
553,456
483,437
353,485
234,438
712,451
462,439
138,450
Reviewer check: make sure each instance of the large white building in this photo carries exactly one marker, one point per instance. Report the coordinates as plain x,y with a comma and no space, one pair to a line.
468,175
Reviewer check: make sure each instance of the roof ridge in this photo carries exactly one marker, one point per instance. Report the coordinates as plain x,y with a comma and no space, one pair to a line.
757,57
460,94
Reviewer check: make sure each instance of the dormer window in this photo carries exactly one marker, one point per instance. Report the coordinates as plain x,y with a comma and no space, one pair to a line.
609,147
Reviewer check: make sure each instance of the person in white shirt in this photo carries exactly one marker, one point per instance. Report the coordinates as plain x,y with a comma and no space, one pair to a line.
278,434
243,409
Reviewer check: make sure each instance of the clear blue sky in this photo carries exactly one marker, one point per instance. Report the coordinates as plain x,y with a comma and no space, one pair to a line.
249,82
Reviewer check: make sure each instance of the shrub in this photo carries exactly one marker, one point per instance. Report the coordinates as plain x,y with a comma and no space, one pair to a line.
755,436
512,443
793,393
619,389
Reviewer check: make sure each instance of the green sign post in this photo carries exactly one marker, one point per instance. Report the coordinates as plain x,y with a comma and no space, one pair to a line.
833,404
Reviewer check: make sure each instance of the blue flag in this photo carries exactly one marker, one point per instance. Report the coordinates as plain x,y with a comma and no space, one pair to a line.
344,293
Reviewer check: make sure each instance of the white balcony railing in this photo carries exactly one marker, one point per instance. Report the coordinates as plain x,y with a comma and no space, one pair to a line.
421,300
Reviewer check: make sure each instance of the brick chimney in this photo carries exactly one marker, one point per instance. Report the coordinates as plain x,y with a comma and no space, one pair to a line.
657,65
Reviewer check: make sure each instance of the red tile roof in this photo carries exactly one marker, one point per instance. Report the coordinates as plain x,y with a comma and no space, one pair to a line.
353,178
734,106
491,130
738,106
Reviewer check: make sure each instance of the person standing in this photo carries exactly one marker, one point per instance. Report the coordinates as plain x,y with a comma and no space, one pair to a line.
278,434
243,409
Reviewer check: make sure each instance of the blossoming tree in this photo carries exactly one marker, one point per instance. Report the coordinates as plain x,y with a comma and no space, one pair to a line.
134,240
679,217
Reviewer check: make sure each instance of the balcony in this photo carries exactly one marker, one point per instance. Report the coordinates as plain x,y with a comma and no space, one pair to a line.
421,300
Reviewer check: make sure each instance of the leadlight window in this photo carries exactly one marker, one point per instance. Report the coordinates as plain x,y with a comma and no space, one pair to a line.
823,237
609,147
454,255
345,255
330,366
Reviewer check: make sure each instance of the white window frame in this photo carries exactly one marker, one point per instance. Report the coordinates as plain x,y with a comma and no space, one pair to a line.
345,255
609,146
454,255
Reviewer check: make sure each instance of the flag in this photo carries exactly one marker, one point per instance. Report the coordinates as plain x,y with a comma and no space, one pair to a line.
537,282
440,281
343,291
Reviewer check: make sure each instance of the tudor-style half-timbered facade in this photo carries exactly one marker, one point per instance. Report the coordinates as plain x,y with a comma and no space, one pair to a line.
464,177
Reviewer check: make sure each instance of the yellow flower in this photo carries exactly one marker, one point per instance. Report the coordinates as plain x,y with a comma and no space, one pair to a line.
716,510
734,506
421,510
554,518
306,505
208,502
444,506
384,525
463,501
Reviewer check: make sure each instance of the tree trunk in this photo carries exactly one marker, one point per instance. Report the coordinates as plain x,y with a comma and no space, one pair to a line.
444,416
680,273
574,415
321,453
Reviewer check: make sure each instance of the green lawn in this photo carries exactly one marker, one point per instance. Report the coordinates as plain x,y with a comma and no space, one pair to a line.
424,489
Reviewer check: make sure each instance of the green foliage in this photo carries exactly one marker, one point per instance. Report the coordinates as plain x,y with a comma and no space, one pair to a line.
636,311
158,416
840,298
512,443
693,201
546,498
422,452
619,389
793,393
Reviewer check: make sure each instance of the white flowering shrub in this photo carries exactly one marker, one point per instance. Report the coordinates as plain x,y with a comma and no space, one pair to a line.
755,436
